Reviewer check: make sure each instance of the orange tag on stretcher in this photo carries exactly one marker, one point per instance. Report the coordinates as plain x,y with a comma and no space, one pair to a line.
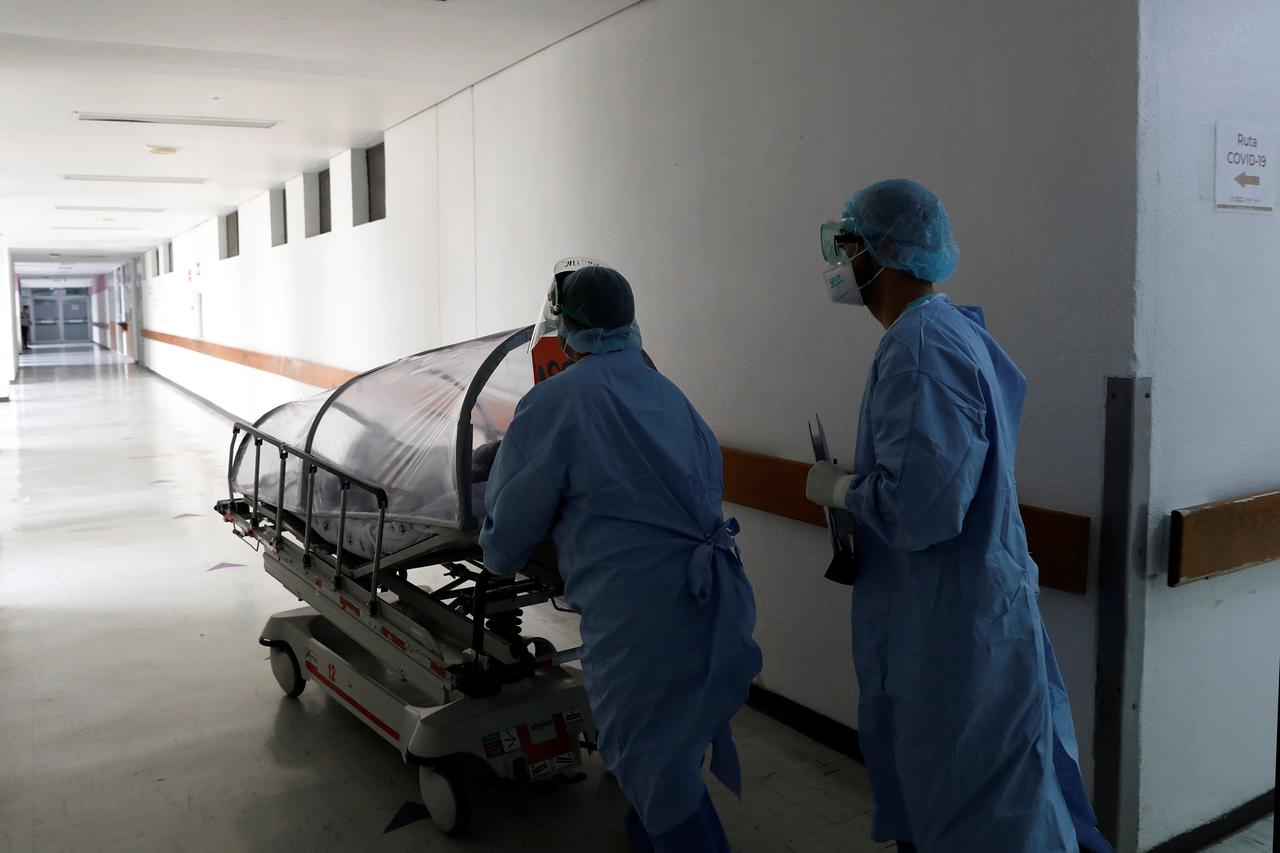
548,359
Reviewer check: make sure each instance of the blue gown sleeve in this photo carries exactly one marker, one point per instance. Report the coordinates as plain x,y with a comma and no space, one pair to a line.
930,449
523,500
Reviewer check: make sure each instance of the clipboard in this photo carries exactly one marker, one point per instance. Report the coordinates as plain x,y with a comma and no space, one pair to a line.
844,561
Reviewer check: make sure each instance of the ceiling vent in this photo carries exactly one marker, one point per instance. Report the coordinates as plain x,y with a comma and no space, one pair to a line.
92,209
191,121
136,179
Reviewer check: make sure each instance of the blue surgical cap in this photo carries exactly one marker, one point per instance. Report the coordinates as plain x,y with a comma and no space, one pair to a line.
598,311
904,227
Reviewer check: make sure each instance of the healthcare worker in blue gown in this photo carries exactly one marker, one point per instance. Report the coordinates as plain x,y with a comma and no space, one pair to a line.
611,460
963,717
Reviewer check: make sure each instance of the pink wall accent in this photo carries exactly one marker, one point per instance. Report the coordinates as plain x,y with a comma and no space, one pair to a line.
99,284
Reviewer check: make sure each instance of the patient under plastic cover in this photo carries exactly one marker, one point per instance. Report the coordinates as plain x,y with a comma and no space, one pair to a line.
397,427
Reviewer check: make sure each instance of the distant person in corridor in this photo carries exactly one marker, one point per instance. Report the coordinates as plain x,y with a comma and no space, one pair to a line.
963,717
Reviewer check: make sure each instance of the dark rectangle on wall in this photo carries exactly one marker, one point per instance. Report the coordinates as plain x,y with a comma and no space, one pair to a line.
376,163
1058,541
326,208
233,234
1224,536
279,219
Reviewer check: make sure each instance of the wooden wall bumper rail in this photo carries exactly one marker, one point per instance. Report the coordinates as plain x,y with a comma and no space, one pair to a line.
1059,541
1224,536
306,372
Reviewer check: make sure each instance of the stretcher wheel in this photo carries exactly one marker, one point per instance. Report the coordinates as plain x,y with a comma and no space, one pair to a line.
542,646
284,666
446,799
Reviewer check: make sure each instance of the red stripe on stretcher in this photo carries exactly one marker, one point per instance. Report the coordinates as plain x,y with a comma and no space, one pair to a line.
394,640
343,695
535,752
348,605
439,670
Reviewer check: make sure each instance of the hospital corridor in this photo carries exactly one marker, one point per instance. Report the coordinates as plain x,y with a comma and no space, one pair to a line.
652,426
151,721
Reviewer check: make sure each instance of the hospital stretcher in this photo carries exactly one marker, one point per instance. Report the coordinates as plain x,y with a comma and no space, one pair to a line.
444,675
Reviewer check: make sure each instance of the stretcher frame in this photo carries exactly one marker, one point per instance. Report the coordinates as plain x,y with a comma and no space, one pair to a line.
444,675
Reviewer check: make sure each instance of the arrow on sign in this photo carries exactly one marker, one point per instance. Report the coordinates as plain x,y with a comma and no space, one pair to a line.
1246,180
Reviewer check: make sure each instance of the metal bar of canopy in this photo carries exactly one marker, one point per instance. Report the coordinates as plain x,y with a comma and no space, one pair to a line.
257,472
312,466
284,464
231,463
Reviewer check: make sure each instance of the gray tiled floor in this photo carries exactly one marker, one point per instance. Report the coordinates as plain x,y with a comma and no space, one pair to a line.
139,713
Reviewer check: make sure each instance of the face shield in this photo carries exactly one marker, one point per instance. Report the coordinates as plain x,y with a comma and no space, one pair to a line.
548,322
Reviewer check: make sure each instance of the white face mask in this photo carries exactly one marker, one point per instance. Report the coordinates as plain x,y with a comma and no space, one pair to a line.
842,285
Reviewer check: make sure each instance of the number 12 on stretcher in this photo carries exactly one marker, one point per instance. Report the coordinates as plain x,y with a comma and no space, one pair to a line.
844,560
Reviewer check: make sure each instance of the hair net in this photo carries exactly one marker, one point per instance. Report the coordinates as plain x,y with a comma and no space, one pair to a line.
905,227
599,311
597,298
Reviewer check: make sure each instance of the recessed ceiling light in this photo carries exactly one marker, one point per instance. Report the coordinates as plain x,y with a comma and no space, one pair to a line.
96,228
199,121
90,209
105,218
161,149
137,179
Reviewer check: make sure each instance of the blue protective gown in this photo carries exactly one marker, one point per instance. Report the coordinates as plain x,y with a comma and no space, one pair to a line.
963,717
613,461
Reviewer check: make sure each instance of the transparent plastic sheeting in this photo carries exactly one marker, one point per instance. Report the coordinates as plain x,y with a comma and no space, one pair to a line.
396,427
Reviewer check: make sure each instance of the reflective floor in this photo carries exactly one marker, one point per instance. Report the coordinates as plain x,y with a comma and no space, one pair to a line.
139,712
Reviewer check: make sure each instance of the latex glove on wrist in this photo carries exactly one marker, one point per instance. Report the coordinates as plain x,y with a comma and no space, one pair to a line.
827,485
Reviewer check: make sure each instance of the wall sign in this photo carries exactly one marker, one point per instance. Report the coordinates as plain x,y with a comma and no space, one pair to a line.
1244,171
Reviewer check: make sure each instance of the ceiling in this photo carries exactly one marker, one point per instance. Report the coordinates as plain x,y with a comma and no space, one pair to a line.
332,74
40,269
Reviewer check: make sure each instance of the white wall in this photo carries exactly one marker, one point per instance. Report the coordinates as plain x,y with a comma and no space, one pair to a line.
353,298
456,165
698,146
1208,297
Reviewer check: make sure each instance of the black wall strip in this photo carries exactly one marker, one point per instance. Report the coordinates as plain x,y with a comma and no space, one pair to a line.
826,731
1216,830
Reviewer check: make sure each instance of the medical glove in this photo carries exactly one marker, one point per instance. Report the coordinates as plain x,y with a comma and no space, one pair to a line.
828,484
